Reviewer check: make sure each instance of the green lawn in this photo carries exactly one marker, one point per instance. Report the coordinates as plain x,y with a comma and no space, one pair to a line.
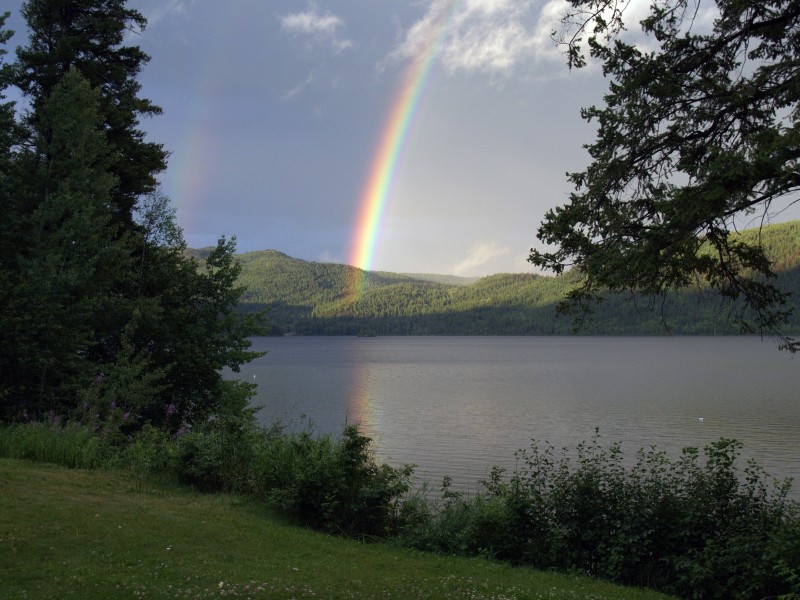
80,534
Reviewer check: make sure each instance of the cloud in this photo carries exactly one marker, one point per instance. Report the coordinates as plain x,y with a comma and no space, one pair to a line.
481,255
493,37
321,28
326,256
289,94
170,7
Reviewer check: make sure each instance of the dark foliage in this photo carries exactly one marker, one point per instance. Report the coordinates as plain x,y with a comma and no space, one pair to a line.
88,35
698,528
103,312
694,137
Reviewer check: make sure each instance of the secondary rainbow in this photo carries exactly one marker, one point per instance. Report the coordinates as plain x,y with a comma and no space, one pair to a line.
378,185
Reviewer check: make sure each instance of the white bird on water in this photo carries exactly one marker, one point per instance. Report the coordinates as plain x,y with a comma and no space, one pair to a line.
701,419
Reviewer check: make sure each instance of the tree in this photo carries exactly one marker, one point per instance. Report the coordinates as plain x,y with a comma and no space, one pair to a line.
89,35
695,135
73,257
102,308
185,316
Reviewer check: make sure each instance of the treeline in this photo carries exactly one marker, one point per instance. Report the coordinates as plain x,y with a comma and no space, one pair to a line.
309,298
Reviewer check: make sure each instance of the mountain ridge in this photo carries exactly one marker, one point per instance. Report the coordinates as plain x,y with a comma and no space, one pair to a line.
314,298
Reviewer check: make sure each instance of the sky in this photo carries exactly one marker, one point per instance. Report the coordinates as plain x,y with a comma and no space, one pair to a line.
275,114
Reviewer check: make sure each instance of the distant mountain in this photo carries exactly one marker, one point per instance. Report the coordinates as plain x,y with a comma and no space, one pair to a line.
450,279
311,298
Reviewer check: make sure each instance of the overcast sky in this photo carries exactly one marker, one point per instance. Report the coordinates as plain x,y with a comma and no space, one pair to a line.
273,112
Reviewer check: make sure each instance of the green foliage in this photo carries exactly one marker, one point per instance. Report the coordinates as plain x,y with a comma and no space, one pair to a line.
699,529
67,271
105,318
696,526
148,452
70,445
218,455
699,131
89,35
95,536
186,320
330,484
309,298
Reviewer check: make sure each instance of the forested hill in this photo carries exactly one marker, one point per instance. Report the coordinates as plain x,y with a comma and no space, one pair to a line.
310,298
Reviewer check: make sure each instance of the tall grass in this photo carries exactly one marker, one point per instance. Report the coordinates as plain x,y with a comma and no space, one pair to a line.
69,445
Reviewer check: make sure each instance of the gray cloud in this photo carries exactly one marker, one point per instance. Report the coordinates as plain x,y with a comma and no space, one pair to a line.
322,28
481,255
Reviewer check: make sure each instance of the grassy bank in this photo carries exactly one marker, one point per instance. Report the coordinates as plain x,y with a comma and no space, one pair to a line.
95,534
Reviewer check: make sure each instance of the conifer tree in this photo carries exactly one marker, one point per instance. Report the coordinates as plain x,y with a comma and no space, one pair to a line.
89,35
66,274
103,305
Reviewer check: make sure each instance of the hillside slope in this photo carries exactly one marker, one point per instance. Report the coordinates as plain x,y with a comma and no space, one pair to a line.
310,298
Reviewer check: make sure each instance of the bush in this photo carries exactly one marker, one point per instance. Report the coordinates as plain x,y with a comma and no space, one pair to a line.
217,456
334,485
150,451
691,528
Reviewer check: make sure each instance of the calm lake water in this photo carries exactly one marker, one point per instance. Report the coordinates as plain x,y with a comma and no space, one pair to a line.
458,405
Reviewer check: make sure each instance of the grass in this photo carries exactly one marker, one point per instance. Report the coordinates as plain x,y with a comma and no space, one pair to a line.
98,534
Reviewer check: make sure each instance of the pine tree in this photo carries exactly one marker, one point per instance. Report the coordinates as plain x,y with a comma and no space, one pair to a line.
103,306
89,35
67,272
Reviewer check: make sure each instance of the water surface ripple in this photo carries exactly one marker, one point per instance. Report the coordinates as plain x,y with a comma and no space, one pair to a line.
458,405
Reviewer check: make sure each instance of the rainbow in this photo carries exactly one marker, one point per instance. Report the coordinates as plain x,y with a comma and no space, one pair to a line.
378,185
192,166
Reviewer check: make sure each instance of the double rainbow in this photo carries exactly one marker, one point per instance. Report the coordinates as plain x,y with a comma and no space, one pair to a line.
377,188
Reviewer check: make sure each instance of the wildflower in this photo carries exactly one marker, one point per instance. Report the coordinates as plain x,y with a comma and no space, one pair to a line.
113,405
126,415
171,408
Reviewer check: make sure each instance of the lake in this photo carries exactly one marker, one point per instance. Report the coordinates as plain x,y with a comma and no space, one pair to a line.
459,405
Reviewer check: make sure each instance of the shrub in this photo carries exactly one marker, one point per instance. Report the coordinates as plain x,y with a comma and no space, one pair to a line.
335,485
217,456
694,528
150,451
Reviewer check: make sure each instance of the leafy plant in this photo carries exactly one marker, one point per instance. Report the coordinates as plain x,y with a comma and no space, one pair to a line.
691,527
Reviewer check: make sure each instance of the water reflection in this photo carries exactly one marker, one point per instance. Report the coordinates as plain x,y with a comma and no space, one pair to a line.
457,406
360,398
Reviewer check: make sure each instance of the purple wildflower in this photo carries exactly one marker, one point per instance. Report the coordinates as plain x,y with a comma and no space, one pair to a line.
113,404
126,415
171,409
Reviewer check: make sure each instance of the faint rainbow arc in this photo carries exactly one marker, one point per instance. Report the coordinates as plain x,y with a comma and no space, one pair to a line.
378,185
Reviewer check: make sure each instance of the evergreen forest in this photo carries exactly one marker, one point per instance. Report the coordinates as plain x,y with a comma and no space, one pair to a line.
310,298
